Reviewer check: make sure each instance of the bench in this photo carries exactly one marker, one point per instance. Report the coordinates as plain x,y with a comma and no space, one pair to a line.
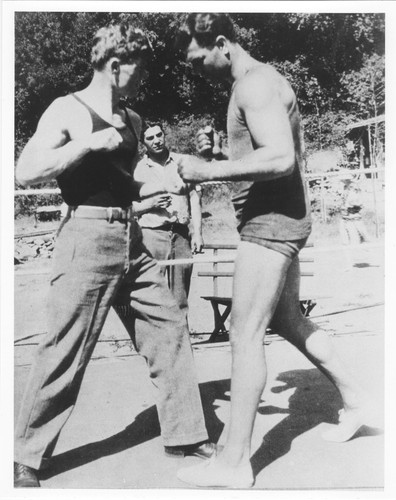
49,212
223,299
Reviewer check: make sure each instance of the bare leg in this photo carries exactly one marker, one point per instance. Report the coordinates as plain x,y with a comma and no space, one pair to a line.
257,289
268,290
318,347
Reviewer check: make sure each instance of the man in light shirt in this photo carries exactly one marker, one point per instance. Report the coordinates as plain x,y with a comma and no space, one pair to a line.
171,223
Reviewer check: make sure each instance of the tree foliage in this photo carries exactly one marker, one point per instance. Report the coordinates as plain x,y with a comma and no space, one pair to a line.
335,62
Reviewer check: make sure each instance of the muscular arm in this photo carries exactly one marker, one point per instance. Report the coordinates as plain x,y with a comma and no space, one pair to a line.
258,99
55,148
48,153
196,220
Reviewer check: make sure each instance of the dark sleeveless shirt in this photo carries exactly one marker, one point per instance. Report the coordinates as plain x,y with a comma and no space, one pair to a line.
102,179
278,208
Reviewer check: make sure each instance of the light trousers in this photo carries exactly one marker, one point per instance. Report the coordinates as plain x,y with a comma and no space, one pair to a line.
96,265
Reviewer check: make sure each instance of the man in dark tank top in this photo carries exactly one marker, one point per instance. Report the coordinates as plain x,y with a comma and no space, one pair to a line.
273,213
88,141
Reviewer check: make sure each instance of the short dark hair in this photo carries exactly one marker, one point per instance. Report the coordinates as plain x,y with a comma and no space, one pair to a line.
149,124
205,28
123,40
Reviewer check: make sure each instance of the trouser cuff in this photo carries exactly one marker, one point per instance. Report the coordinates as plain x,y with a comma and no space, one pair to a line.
185,439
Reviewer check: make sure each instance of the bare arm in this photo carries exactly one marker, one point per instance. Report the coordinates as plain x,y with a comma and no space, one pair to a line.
151,202
266,117
53,148
196,220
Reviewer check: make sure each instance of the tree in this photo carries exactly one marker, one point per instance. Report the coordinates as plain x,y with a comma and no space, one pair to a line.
321,54
363,91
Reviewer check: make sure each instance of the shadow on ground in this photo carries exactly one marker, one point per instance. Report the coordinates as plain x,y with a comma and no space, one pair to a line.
144,428
315,401
362,265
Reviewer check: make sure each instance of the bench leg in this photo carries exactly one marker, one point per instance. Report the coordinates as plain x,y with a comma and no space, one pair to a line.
306,307
219,320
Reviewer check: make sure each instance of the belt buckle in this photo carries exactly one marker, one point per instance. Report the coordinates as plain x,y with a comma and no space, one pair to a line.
120,214
113,214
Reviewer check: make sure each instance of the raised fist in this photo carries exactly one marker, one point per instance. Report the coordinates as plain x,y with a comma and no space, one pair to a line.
105,140
208,142
193,170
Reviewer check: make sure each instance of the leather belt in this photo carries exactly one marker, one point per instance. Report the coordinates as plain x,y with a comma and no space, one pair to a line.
172,226
110,214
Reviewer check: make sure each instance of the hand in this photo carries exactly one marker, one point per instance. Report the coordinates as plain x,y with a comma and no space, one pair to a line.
105,140
192,169
196,243
208,142
160,201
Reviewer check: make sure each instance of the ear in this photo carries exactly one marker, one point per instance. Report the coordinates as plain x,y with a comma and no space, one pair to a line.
114,65
222,43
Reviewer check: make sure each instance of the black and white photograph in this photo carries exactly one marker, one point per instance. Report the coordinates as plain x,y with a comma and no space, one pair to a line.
194,196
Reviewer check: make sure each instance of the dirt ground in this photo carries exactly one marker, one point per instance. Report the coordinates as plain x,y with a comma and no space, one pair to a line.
112,440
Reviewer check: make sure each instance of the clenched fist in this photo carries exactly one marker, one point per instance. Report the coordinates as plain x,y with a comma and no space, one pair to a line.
208,142
105,140
192,169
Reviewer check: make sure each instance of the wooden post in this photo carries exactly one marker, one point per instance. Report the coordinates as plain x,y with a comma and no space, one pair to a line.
322,201
215,265
373,183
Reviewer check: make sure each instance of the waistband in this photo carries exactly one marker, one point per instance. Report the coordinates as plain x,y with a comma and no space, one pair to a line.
171,226
110,214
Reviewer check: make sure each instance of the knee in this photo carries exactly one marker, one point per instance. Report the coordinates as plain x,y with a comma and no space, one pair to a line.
297,330
246,338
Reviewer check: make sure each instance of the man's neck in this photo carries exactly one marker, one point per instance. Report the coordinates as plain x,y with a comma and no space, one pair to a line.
102,96
241,62
160,158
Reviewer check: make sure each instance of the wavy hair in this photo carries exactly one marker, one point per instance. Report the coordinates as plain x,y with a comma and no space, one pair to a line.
205,28
124,41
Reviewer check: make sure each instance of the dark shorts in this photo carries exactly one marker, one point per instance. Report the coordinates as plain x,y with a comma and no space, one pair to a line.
289,248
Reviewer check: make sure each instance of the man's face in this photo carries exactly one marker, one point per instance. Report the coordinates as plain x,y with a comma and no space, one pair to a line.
154,140
206,61
131,76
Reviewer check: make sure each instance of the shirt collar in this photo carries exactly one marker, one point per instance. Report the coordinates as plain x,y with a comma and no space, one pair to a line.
153,163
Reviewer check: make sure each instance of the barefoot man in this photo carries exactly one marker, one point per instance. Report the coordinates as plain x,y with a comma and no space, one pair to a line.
274,222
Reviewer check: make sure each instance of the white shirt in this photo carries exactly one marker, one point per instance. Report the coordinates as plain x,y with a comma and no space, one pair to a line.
148,170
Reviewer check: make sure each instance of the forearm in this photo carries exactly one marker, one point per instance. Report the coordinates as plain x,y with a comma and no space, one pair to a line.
260,165
196,214
36,166
196,222
141,207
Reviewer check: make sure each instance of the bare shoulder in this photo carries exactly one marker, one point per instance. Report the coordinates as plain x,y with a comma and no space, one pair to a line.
261,86
66,106
66,114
